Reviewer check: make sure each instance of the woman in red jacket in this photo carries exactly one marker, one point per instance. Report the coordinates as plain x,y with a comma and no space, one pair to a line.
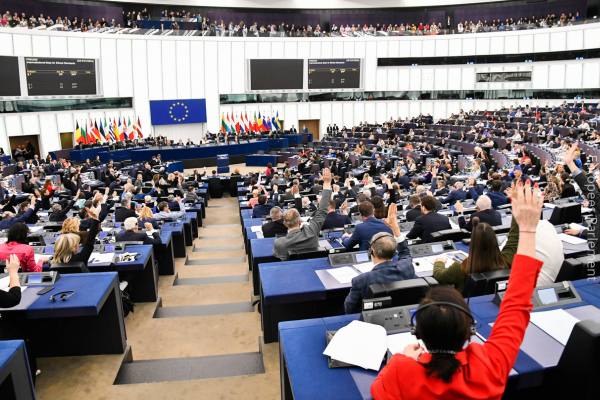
449,369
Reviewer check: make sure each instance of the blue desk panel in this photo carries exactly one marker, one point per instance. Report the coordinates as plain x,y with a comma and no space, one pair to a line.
261,160
91,291
14,365
187,153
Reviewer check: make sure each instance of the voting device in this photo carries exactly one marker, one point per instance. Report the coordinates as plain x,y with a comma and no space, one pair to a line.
557,294
46,278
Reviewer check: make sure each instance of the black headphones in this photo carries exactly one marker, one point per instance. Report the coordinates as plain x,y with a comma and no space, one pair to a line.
413,328
63,296
375,238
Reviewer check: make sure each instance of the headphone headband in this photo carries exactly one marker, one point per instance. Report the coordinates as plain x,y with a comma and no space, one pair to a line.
413,328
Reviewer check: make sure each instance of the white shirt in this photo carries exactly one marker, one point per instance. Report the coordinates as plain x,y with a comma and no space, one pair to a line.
549,249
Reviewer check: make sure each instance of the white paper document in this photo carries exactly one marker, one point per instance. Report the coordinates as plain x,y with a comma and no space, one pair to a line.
396,343
102,258
556,323
5,282
364,267
256,228
359,343
571,239
34,229
343,274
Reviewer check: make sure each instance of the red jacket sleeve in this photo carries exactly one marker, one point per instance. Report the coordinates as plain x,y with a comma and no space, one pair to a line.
502,347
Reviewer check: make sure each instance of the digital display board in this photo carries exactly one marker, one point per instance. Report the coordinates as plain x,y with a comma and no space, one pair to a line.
9,76
276,74
342,73
60,76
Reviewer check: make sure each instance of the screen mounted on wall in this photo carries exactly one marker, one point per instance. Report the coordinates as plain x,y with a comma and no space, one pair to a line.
60,76
342,73
9,76
276,74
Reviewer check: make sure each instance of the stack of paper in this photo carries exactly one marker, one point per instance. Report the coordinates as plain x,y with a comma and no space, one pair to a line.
571,239
102,258
343,274
359,343
5,282
398,342
256,228
364,267
556,323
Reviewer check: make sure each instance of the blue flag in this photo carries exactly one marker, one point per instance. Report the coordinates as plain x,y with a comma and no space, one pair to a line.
173,112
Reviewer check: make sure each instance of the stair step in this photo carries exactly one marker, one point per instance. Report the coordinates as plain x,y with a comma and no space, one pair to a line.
203,310
188,368
213,261
211,280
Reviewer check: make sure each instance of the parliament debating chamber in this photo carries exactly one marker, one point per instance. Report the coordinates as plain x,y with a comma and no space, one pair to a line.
269,199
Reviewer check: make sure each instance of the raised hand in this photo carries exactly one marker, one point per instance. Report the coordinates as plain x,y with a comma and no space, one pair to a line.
527,205
570,156
392,219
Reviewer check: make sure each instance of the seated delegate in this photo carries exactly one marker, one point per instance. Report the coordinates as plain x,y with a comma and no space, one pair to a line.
303,237
364,232
17,244
12,296
484,255
382,249
67,245
485,213
429,221
448,369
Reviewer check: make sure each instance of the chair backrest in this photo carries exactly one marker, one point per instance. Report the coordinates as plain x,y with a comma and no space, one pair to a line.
578,368
481,283
70,268
404,292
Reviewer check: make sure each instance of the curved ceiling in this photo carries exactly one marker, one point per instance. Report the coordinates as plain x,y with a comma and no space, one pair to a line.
308,4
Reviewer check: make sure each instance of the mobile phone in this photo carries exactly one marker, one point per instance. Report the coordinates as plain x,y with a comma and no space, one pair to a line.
45,290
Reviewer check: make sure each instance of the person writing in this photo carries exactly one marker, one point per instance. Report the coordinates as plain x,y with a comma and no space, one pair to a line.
448,369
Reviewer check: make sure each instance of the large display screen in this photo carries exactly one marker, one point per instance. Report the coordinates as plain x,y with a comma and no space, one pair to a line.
9,76
342,73
60,76
276,74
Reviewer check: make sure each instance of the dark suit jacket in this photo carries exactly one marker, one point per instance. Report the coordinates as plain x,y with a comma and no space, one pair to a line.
454,196
364,232
413,214
274,228
498,199
131,236
336,220
490,216
122,213
426,224
382,273
261,210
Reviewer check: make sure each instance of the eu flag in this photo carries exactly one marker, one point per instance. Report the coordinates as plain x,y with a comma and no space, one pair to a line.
173,112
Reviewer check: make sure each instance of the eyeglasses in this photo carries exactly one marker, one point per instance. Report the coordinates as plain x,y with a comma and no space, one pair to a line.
63,296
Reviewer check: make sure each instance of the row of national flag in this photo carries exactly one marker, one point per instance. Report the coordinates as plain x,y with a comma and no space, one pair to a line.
241,123
111,130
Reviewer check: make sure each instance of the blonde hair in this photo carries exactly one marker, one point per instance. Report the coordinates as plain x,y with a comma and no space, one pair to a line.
145,212
70,225
63,248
